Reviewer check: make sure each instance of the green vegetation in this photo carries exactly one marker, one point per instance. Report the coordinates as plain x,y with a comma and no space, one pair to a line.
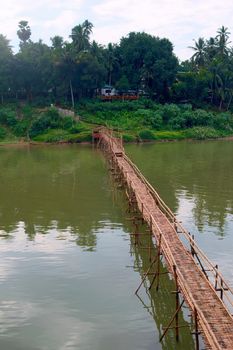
146,120
40,125
67,71
142,120
191,99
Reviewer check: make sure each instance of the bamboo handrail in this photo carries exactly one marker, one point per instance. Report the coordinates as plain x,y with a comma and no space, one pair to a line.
191,241
213,277
169,257
217,276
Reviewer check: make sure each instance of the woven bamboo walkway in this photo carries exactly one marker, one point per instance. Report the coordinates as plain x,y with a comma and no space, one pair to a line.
202,286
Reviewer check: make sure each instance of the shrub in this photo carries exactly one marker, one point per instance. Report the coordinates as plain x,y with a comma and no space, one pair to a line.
48,120
150,118
188,118
85,136
157,121
145,114
128,138
202,133
20,129
52,113
223,121
27,112
186,107
177,122
77,128
2,133
170,111
52,136
7,117
67,122
146,134
170,135
202,118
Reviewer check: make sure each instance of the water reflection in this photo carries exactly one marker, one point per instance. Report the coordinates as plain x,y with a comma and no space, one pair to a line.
45,189
65,243
194,174
159,304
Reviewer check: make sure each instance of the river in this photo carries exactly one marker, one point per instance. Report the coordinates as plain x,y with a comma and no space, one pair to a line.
69,266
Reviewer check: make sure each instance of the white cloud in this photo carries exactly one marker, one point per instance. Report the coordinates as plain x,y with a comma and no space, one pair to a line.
179,20
46,17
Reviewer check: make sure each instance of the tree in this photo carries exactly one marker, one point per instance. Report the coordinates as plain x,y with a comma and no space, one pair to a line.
87,28
57,42
222,40
24,32
33,69
6,59
198,58
112,60
123,84
148,63
211,49
80,36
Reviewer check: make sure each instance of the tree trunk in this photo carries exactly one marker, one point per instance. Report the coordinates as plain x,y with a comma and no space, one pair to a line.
212,93
229,103
220,105
72,94
110,77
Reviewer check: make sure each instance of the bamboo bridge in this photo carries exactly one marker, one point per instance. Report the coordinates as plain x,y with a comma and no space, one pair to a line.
198,282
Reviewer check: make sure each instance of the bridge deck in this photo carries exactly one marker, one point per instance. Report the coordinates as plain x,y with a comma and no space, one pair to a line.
214,318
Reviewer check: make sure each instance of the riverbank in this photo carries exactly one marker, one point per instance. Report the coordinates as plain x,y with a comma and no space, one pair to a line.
138,121
130,139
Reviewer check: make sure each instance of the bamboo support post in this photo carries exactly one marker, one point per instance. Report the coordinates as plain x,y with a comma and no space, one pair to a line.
172,319
157,273
158,261
146,274
196,331
177,302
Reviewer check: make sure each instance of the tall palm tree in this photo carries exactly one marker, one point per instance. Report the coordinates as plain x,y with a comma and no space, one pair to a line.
24,32
211,48
87,28
111,61
198,58
222,40
80,35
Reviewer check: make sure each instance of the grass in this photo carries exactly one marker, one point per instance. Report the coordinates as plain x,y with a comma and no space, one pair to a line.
170,135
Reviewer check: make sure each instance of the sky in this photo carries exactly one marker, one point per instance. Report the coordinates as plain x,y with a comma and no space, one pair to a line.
181,21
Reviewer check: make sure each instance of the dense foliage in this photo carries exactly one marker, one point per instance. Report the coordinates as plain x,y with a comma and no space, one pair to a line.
145,117
44,125
177,100
207,78
138,120
66,71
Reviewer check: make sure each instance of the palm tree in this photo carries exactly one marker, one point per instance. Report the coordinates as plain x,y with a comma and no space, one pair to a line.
111,61
211,48
198,58
87,29
24,32
222,40
80,35
57,42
